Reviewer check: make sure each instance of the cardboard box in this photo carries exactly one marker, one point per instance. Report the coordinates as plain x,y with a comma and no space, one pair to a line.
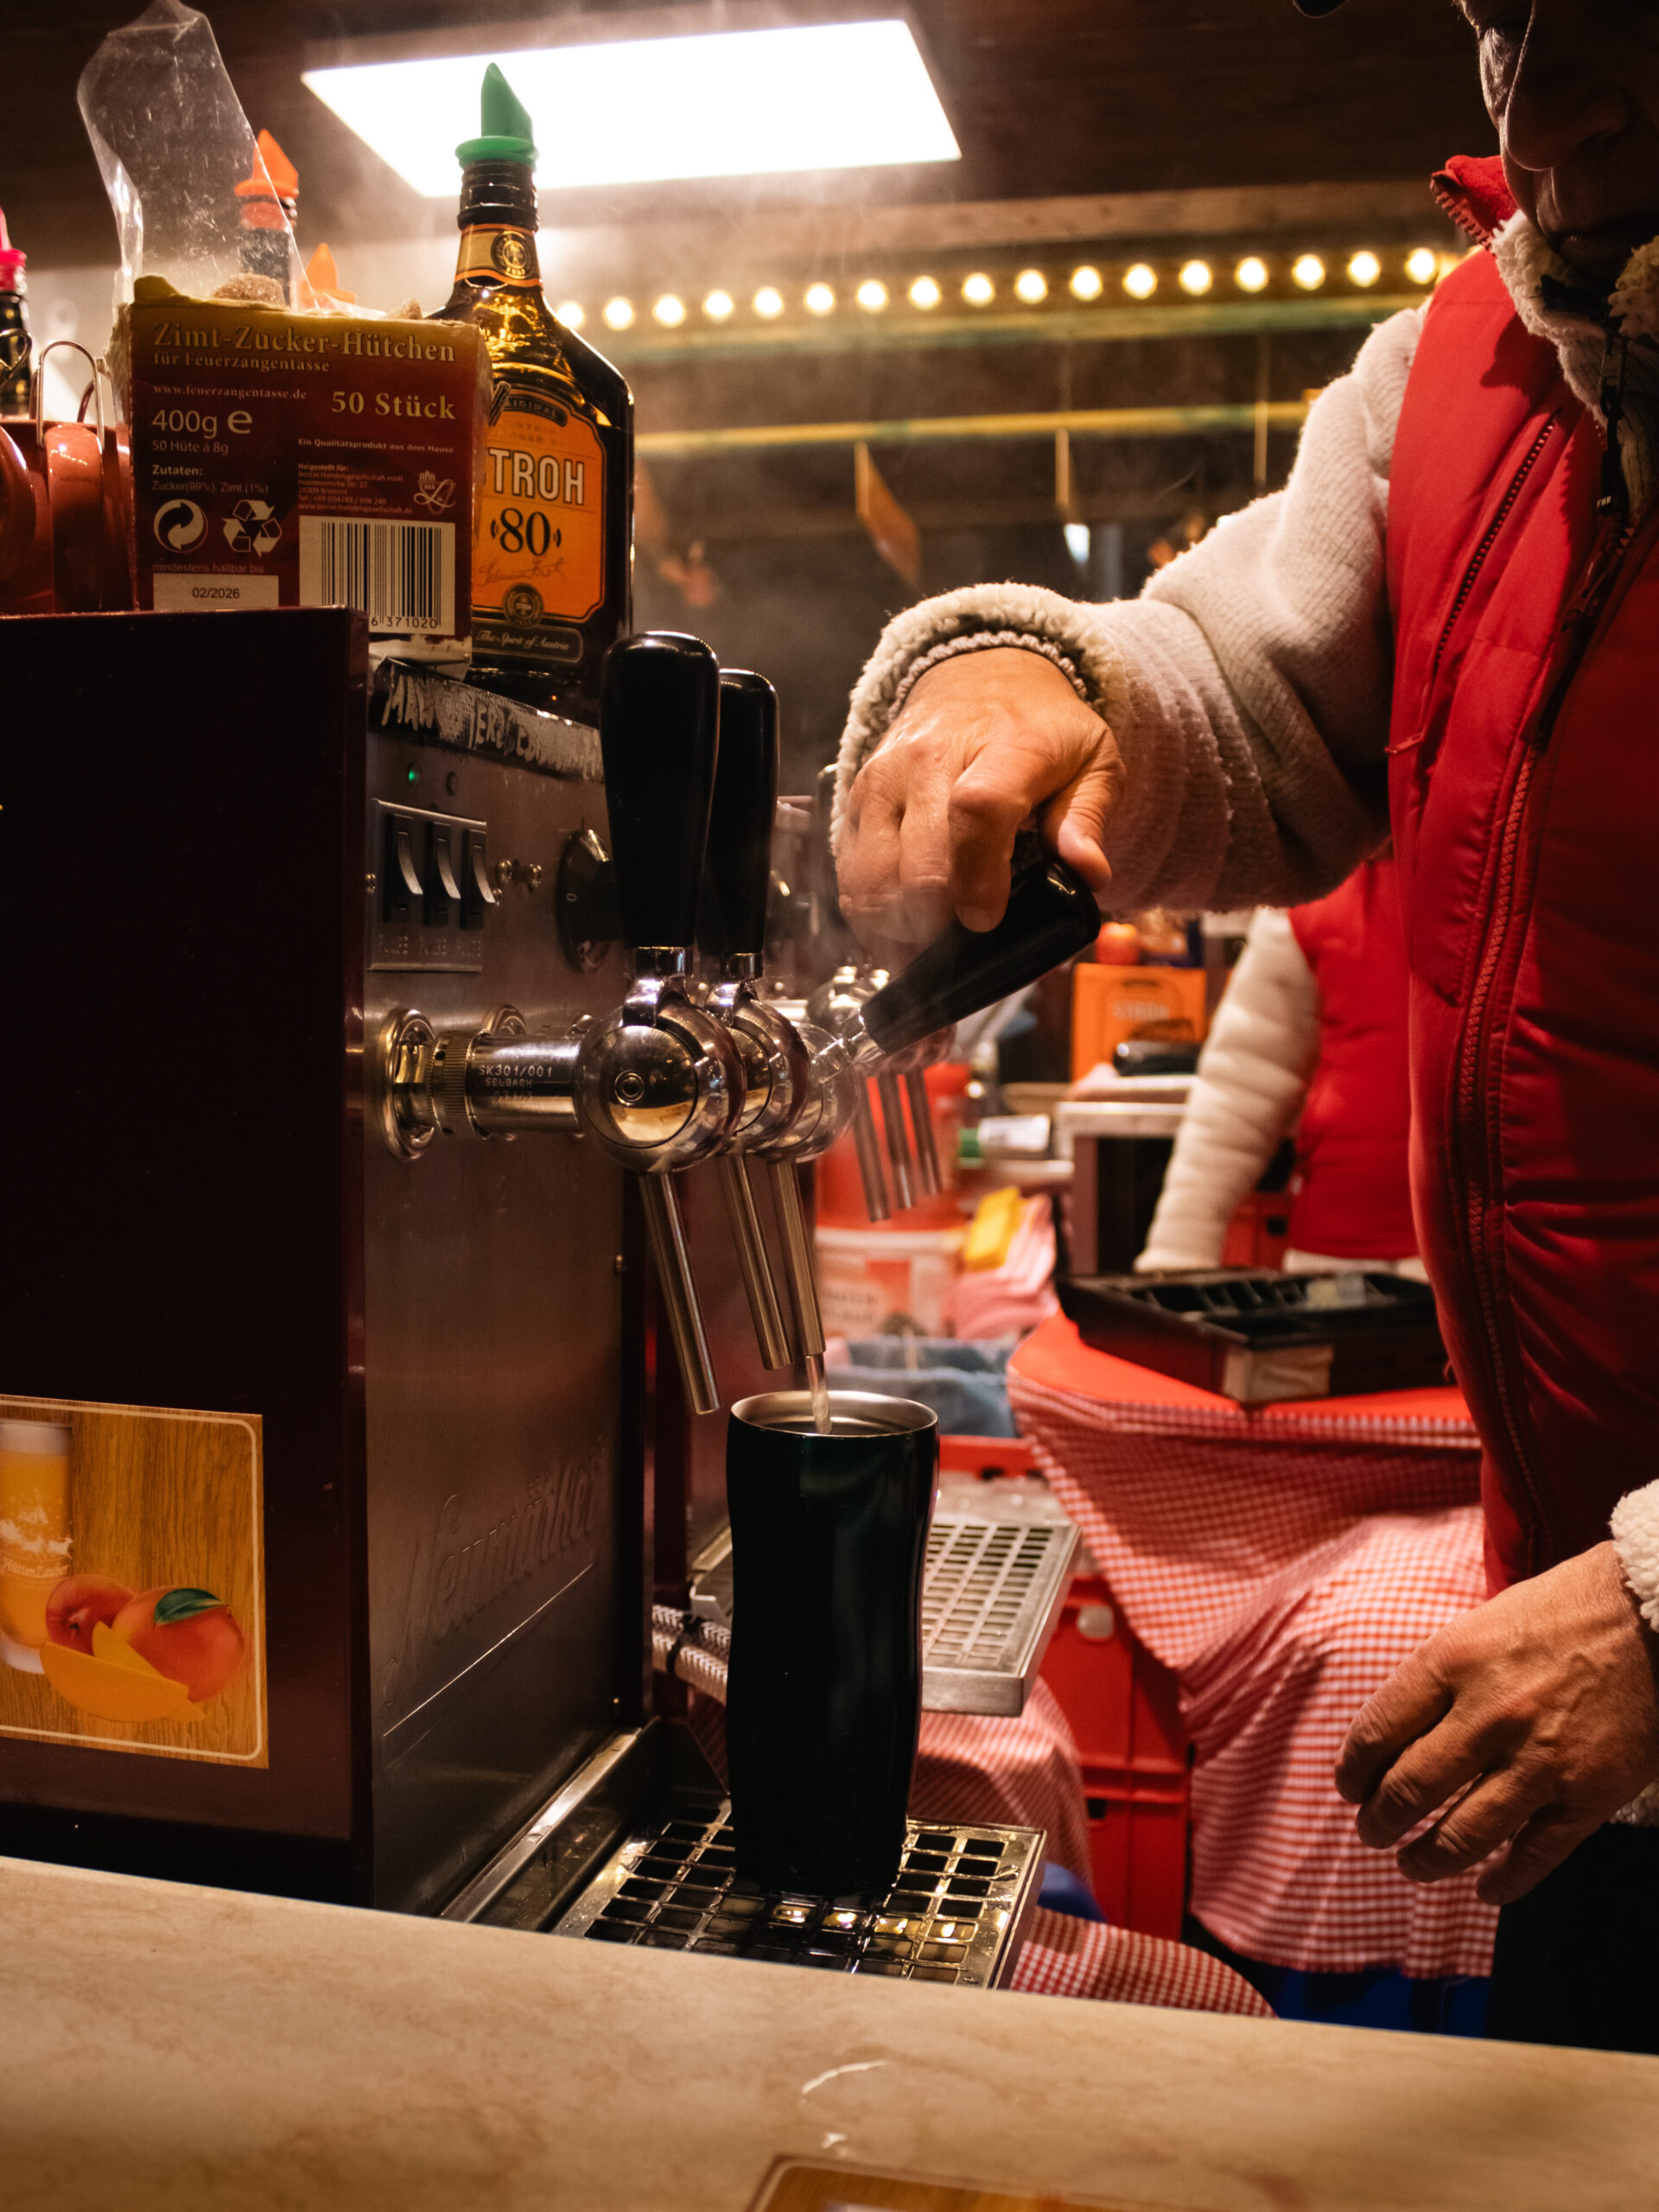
1109,1004
282,459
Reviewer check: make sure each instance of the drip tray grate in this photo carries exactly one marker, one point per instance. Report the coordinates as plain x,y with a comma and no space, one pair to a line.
999,1565
954,1914
992,1593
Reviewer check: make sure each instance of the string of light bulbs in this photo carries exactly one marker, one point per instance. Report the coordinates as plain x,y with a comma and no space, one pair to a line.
1029,288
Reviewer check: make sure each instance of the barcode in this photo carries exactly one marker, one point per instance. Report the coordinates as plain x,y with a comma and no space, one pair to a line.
401,574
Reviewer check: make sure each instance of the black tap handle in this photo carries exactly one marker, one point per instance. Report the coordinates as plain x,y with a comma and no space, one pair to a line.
658,731
1052,915
733,916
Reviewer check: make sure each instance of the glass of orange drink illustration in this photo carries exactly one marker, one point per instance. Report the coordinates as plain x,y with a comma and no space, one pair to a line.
33,1534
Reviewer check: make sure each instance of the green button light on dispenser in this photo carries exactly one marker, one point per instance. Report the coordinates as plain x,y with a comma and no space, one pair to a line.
413,774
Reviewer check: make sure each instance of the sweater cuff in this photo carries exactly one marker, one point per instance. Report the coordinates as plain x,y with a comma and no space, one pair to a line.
981,641
974,621
1634,1527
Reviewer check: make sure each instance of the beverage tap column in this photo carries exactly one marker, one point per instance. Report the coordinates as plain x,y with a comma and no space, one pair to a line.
838,1007
1052,916
814,1091
899,1163
732,928
660,1085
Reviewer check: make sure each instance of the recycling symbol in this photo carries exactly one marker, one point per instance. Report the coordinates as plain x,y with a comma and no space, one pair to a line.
250,527
179,524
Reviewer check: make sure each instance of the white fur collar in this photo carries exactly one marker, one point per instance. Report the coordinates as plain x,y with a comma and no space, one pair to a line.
1524,259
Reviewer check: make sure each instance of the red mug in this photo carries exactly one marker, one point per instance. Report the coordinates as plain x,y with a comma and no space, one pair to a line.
65,499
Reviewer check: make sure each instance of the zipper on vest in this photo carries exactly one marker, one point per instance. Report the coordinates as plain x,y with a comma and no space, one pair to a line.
1489,538
1474,1094
1476,1098
1615,498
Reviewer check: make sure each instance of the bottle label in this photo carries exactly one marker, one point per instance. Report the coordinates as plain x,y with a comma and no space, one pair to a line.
538,552
497,256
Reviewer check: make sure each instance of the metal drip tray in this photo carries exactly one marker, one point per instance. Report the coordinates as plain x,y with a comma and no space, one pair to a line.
999,1565
954,1914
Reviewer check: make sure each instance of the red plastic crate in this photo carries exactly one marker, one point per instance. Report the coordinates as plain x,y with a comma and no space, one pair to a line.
1259,1231
1123,1708
986,1456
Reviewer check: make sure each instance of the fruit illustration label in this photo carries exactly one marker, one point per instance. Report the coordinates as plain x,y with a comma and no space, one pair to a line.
539,551
132,1579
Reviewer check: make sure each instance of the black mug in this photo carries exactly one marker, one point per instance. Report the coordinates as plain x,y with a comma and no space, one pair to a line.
824,1698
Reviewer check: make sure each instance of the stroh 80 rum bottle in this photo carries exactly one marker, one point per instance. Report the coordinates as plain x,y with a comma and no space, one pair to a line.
553,546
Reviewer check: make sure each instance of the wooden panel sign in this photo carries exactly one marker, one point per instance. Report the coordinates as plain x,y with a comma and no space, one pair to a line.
132,1579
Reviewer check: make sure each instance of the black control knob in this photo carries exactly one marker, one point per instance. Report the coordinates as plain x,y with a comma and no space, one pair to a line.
732,917
658,731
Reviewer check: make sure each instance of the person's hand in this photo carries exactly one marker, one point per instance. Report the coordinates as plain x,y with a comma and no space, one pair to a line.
1537,1712
985,741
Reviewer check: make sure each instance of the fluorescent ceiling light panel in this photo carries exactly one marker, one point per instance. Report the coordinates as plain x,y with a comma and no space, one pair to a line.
824,96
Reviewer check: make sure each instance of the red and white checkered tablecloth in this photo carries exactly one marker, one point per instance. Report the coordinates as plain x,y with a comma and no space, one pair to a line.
1282,1561
1062,1957
1020,1771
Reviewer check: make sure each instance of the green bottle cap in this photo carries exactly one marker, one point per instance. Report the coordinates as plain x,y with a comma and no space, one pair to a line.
507,131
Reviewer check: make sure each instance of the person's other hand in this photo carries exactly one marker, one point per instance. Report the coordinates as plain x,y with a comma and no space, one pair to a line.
1533,1716
985,741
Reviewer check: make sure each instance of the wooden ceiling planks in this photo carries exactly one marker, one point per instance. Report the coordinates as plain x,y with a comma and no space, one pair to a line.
1048,98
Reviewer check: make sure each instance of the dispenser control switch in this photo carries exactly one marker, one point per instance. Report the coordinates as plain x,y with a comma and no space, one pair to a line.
442,892
427,909
400,879
478,890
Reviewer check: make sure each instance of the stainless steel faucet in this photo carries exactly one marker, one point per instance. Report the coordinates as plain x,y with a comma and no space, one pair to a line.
803,1089
664,1082
892,1027
731,931
659,1084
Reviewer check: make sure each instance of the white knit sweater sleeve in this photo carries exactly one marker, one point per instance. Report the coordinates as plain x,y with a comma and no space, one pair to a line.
1247,687
1635,1531
1636,1534
1251,1081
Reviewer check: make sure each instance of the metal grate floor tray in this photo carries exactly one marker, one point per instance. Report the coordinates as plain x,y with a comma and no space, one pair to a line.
999,1565
954,1914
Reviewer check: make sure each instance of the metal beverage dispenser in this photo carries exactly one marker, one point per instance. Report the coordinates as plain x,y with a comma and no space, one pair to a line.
350,1419
229,864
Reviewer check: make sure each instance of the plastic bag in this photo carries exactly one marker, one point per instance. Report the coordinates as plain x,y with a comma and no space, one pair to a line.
172,144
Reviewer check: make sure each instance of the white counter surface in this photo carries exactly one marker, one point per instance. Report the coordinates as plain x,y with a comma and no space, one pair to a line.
172,2049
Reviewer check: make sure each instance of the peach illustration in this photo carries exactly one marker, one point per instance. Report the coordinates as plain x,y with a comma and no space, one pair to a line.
128,1688
189,1636
78,1604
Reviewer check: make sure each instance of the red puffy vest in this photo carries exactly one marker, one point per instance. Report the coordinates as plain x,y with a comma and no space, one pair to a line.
1524,787
1354,1201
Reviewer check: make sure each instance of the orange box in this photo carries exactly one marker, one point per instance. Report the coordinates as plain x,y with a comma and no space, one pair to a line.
1109,1004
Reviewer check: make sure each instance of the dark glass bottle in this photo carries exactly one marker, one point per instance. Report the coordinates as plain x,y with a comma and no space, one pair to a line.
268,208
553,543
15,345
